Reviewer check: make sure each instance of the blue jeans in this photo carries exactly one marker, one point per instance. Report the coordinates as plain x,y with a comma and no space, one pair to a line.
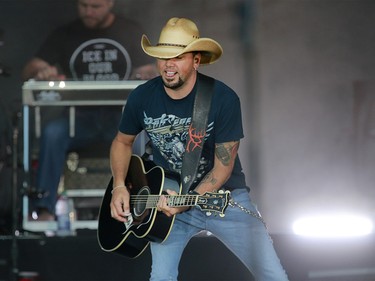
92,125
243,234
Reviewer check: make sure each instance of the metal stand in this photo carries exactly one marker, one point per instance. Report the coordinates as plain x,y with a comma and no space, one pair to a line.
15,208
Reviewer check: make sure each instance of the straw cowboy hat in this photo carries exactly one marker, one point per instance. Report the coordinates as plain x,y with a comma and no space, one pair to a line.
179,36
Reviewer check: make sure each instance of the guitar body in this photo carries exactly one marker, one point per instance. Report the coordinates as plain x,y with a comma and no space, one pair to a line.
131,240
146,224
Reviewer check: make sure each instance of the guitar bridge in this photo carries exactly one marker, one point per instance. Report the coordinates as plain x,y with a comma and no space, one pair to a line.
128,223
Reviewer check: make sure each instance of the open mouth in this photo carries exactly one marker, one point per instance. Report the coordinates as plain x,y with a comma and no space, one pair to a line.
170,74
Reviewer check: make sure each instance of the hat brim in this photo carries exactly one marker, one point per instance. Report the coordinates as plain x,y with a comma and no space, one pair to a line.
210,50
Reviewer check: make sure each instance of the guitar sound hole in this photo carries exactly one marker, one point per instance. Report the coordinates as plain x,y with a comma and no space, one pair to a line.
140,204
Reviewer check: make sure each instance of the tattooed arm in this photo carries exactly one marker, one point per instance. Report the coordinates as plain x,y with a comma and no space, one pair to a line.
225,155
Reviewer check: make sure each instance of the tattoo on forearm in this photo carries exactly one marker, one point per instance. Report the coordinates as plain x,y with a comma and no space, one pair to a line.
225,152
209,178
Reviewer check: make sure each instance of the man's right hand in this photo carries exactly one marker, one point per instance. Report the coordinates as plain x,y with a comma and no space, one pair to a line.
120,208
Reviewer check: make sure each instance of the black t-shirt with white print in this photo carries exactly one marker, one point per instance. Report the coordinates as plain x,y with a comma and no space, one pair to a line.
95,54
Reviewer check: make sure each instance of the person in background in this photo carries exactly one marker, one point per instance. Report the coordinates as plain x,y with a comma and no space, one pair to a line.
162,107
99,45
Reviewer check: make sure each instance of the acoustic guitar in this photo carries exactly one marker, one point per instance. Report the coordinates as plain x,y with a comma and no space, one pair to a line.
146,182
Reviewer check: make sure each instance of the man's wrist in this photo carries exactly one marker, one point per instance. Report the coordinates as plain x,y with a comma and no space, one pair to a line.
117,187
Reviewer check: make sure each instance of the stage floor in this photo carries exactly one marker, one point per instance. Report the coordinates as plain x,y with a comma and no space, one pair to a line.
79,258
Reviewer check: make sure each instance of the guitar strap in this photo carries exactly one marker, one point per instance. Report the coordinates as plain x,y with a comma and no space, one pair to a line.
197,131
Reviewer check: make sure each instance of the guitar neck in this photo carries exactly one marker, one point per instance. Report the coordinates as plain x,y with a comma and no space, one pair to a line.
173,200
182,200
208,202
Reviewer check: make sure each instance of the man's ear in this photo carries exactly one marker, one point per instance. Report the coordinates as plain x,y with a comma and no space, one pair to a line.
197,59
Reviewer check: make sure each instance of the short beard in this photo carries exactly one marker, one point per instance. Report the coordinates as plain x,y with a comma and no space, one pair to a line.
175,85
99,23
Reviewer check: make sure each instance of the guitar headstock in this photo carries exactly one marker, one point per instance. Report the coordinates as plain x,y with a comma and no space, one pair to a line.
215,202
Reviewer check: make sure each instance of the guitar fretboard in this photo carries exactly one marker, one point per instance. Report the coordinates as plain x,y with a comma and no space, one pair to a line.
173,200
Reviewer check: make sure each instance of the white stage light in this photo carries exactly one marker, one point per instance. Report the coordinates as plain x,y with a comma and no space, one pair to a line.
339,225
62,84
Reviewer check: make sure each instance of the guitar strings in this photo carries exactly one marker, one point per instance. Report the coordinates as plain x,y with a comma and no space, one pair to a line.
173,200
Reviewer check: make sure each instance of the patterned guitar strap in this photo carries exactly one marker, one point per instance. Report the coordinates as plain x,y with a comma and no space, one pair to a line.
197,131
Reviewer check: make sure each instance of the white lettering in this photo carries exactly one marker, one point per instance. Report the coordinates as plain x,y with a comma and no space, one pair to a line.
101,67
107,77
88,77
110,55
92,56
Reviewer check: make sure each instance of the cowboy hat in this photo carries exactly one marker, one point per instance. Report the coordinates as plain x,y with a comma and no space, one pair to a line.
179,36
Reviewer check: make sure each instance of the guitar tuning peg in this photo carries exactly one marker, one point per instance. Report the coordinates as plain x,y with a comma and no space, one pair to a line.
208,214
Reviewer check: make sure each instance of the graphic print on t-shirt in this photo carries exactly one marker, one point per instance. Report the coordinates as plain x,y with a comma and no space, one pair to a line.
169,133
100,59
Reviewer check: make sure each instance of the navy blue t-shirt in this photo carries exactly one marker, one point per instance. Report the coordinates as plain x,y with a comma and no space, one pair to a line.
166,122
